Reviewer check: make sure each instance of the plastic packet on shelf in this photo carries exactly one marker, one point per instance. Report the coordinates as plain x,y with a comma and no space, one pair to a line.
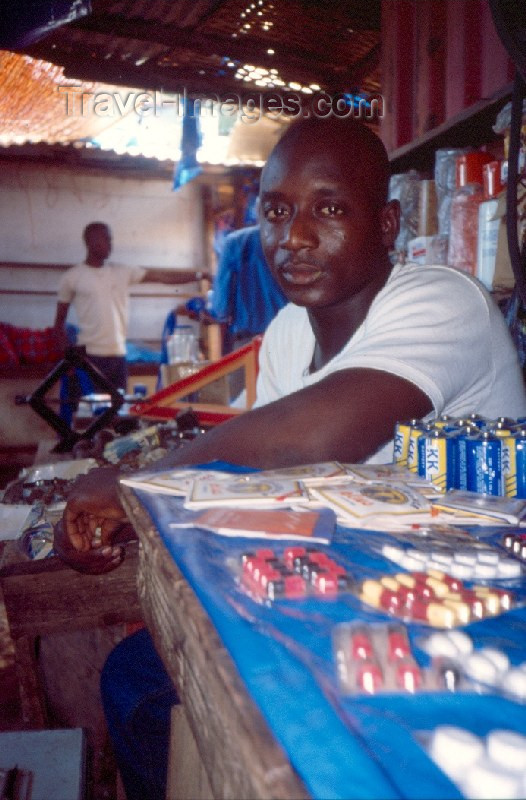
405,187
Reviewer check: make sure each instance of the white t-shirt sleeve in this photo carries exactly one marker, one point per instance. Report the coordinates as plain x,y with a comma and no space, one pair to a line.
66,290
134,274
414,330
433,326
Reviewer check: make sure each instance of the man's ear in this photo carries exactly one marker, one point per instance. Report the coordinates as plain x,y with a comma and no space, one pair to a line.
390,223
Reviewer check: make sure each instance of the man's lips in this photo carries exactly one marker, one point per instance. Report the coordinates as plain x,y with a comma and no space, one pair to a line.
300,274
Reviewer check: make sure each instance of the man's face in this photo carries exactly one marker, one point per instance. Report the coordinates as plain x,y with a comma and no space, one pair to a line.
98,242
320,226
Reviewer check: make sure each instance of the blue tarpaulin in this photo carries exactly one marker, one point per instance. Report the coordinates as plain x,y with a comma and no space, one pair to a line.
342,747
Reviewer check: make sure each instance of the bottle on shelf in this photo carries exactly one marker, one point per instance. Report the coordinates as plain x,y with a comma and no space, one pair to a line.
488,224
465,211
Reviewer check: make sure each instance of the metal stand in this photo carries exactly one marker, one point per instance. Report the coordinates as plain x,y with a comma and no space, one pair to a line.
74,357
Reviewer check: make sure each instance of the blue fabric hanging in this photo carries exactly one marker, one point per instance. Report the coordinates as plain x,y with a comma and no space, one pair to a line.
188,167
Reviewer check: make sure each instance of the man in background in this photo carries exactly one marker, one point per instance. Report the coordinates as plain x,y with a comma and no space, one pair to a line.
99,293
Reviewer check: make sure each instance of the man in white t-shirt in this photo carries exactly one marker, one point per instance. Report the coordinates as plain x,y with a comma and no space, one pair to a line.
361,344
99,292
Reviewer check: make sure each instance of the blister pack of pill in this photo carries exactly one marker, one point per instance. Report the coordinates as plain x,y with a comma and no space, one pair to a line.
295,573
485,669
493,765
376,658
465,558
433,598
515,544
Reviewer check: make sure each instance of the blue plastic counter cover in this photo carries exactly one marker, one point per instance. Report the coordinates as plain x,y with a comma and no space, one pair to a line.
341,747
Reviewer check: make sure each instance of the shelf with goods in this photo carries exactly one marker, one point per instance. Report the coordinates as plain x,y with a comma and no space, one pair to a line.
472,127
415,163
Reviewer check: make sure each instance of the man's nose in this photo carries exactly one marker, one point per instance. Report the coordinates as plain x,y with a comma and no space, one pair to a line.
299,233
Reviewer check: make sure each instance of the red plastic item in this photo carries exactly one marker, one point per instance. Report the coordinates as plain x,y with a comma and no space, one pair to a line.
491,176
265,553
325,583
294,586
469,167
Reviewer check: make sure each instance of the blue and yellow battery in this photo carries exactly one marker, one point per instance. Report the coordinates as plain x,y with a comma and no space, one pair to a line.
477,420
414,435
443,421
458,436
514,463
436,458
402,438
484,463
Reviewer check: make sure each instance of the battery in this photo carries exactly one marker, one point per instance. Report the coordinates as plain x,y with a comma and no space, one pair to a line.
436,458
460,469
444,421
401,443
414,435
501,422
484,463
514,464
402,438
501,427
477,420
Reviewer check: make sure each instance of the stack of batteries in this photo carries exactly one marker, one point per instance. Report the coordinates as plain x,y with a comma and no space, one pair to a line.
473,454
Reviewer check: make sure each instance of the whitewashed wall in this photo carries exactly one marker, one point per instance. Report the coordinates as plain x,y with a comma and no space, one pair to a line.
43,211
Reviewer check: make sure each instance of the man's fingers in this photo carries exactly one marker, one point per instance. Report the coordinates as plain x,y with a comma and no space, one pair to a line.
97,561
105,530
77,532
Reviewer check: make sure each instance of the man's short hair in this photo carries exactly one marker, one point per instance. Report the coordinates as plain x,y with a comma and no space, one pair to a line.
93,226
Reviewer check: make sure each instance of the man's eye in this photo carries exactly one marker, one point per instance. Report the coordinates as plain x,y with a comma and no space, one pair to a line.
274,213
330,210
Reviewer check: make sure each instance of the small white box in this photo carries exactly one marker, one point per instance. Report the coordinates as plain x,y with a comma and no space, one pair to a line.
428,249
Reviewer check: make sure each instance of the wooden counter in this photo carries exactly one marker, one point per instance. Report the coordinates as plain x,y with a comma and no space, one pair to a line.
235,747
44,597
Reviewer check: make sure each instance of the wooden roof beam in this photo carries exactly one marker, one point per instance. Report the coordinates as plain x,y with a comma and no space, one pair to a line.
246,49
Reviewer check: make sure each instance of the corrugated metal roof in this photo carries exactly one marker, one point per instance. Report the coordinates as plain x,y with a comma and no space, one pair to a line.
34,103
199,45
222,49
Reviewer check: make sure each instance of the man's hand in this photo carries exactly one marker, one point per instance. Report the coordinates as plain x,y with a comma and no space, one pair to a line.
61,338
95,561
92,523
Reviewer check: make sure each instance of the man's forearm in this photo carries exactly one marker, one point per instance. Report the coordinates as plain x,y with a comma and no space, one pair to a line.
175,276
61,315
233,442
344,417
